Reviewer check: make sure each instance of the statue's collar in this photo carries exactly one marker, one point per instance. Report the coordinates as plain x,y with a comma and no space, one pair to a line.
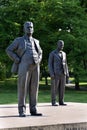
27,37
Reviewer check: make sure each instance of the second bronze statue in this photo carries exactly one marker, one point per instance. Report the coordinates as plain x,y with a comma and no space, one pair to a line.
58,71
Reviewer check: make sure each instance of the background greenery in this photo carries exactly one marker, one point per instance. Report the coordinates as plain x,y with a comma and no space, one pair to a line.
8,92
53,20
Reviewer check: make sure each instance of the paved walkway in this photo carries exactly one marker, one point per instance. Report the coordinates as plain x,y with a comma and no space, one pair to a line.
72,113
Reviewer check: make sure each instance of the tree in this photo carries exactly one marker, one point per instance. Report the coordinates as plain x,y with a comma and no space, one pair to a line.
53,20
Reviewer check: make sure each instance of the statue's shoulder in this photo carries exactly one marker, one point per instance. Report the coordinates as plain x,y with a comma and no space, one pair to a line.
36,40
53,52
19,38
63,53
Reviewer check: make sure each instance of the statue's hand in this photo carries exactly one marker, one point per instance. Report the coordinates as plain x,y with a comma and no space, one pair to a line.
17,60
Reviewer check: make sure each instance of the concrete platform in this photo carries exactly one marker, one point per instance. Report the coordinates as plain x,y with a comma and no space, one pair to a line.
70,117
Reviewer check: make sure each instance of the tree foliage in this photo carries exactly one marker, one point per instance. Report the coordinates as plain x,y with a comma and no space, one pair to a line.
53,20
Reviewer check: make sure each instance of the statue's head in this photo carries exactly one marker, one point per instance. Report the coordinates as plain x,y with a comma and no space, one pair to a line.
28,28
60,44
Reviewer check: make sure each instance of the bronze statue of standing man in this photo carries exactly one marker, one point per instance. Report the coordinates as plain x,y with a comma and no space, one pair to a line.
26,53
58,71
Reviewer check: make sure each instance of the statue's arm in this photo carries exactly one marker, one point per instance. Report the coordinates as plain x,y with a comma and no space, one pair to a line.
11,51
40,53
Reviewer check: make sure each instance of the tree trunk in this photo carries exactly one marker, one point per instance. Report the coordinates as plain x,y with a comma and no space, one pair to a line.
77,87
46,81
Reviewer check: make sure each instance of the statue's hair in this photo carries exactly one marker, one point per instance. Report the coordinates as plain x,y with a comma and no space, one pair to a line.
28,22
60,41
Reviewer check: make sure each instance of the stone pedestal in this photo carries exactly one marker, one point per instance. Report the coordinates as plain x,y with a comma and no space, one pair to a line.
70,117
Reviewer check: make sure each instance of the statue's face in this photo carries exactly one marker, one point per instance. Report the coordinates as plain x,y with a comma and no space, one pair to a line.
60,45
28,28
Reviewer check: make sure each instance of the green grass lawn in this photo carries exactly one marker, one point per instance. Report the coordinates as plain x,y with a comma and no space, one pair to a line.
8,92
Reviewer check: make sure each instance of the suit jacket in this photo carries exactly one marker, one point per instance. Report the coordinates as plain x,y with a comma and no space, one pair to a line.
56,64
18,47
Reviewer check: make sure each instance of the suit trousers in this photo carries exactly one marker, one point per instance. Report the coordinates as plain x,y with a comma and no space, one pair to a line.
58,88
28,82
